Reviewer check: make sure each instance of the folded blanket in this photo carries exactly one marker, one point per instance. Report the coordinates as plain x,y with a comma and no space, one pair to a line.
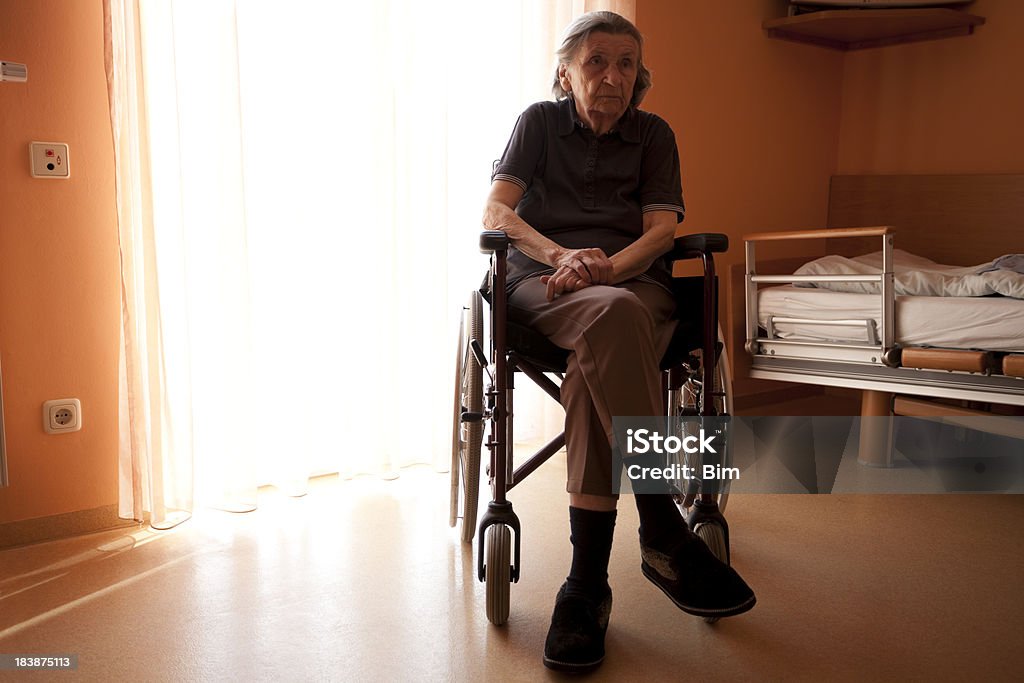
1014,262
918,276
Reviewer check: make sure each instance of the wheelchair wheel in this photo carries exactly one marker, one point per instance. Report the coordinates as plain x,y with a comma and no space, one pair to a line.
467,436
714,538
498,572
687,400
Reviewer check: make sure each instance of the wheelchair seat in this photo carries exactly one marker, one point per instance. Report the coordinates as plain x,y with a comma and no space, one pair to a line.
536,348
688,334
546,356
539,350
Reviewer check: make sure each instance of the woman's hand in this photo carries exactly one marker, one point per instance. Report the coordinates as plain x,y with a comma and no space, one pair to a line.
564,280
592,265
576,269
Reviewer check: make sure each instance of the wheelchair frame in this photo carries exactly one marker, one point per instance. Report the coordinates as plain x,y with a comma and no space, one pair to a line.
493,533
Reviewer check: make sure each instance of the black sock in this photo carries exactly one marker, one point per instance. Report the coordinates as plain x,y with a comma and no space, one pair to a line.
591,534
660,520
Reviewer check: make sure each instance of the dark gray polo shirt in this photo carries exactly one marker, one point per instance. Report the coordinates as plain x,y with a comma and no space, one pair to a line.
582,190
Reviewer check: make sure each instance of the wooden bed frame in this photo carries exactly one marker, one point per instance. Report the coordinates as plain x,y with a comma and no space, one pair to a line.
952,219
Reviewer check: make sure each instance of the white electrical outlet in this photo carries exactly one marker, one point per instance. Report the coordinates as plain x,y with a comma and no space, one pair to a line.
62,415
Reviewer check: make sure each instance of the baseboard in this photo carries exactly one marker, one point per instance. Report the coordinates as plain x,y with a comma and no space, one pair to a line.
40,529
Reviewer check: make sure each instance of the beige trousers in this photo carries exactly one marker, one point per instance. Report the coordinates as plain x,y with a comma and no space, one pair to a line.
617,336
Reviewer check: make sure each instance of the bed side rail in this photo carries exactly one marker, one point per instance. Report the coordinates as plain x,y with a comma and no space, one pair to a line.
877,349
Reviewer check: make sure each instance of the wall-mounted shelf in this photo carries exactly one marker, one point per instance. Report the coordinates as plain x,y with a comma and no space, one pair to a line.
854,29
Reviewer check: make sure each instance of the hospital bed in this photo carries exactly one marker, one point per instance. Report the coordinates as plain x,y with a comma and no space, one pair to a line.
908,355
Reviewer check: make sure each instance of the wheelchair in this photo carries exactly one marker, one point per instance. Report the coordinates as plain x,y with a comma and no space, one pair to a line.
693,386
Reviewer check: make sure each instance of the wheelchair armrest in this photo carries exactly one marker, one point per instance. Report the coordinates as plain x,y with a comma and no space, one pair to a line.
493,240
692,246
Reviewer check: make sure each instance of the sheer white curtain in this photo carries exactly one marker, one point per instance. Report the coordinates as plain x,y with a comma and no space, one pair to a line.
299,190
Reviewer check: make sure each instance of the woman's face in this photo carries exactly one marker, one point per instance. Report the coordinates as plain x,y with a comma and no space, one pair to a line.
601,77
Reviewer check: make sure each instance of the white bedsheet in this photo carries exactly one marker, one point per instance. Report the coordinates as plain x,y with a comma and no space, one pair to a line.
989,323
918,276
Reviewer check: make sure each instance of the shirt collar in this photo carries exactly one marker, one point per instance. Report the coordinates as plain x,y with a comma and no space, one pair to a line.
628,128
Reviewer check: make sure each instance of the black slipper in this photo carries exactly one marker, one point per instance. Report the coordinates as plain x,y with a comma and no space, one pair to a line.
575,642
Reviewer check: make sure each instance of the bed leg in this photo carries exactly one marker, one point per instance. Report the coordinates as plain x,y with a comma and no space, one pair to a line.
876,429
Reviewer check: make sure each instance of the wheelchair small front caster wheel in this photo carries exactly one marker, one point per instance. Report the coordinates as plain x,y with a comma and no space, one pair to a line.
498,572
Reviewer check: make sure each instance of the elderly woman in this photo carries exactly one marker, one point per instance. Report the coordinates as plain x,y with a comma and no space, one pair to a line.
588,190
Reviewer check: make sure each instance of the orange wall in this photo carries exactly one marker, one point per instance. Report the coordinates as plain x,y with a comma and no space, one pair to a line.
942,106
761,126
58,261
756,120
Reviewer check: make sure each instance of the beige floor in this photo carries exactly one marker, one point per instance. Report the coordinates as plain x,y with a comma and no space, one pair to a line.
363,580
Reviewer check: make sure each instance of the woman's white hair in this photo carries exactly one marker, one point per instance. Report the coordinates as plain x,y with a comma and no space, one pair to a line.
605,22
